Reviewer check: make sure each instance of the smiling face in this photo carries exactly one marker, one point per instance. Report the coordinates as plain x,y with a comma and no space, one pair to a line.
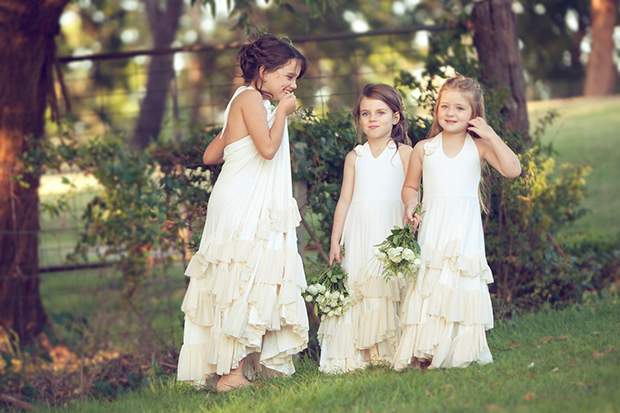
454,111
377,119
282,80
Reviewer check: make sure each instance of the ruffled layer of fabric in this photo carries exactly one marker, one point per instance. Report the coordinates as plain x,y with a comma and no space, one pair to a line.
244,297
369,330
446,313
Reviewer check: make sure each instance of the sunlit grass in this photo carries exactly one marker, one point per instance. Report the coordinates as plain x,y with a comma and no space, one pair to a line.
588,132
565,361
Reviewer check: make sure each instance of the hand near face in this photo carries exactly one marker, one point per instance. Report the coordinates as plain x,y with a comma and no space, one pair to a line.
480,127
288,103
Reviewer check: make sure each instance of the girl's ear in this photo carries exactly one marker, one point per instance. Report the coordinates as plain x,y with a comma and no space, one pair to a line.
396,118
261,73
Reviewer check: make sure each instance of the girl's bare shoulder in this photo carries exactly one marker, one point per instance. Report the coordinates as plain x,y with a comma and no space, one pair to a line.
405,149
249,98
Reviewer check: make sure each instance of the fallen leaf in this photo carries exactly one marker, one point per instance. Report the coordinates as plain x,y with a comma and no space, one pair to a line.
429,394
274,386
555,369
547,339
572,364
496,384
531,365
448,386
492,407
579,383
529,396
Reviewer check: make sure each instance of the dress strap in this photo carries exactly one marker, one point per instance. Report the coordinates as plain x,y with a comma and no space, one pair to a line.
227,111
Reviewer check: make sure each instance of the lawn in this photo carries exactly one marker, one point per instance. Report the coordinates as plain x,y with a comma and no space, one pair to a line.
588,132
565,361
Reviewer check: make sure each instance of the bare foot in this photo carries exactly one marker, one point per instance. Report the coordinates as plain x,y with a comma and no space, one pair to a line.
232,381
235,379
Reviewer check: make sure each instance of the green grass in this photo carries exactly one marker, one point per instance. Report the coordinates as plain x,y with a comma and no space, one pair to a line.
565,361
87,306
588,132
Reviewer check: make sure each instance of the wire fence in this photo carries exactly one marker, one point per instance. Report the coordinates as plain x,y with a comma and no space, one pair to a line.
85,298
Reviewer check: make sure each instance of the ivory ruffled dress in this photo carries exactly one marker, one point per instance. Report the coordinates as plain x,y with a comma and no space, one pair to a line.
244,296
368,331
448,309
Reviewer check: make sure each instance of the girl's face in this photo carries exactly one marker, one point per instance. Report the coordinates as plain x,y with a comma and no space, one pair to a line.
454,112
281,81
377,119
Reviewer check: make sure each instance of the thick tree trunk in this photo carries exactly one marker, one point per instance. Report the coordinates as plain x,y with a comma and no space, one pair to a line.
497,43
601,72
164,23
27,55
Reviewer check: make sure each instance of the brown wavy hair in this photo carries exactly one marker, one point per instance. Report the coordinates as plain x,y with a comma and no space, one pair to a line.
271,53
391,97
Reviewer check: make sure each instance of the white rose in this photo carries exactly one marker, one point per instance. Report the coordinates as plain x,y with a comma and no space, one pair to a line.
312,289
338,311
309,298
399,249
331,313
376,252
393,253
360,150
322,288
408,254
417,262
431,147
397,259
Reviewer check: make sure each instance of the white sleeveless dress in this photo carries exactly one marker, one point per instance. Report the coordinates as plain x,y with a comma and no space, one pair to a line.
448,309
244,296
369,331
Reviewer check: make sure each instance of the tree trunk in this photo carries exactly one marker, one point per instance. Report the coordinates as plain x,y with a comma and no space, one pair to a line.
163,23
27,56
497,43
601,72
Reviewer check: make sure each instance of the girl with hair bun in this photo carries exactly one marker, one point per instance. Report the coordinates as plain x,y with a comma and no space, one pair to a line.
368,208
244,313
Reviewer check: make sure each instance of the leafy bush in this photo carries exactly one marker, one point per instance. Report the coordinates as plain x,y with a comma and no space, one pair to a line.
149,204
529,267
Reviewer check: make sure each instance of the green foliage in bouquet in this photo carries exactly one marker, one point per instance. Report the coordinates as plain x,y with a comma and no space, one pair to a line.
400,252
328,292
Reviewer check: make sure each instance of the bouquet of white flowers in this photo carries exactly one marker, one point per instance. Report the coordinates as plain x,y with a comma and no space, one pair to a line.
400,252
329,293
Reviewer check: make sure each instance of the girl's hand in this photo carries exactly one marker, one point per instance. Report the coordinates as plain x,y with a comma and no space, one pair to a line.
334,254
480,127
415,219
288,104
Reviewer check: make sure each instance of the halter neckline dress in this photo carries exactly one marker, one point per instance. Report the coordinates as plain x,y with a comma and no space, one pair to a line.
246,279
369,331
448,309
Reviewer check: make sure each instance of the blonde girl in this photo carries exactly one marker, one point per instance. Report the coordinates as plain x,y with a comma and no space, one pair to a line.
448,309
